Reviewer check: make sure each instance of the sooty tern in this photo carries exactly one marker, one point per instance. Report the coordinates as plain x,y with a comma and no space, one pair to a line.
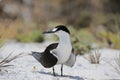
57,53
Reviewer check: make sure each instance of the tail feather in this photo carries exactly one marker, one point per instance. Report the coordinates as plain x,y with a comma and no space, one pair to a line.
37,55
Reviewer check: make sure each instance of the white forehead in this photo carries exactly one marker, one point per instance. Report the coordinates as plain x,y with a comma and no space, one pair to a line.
54,29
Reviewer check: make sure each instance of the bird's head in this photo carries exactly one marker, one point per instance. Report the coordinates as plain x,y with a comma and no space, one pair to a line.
59,30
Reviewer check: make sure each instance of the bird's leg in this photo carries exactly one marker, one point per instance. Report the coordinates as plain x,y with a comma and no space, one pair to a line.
61,69
53,71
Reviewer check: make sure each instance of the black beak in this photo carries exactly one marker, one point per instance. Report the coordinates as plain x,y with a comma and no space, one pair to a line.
47,32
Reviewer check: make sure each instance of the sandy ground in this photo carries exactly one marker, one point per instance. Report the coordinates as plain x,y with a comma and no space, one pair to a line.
27,68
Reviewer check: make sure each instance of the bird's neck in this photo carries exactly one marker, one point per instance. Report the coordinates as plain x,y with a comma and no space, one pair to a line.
64,41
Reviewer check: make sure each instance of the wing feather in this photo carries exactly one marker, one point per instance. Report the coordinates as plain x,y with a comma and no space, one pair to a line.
46,58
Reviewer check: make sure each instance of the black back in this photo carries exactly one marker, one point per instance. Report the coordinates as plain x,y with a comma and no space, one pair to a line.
46,58
62,27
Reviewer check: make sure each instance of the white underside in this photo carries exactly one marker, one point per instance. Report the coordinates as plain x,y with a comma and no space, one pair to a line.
65,56
66,59
62,54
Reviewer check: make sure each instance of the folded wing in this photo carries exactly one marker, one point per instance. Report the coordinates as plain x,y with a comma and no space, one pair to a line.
71,61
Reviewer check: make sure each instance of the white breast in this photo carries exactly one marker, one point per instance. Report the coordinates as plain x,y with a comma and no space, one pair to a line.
63,53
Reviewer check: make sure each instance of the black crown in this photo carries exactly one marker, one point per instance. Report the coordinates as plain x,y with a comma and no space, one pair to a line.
62,27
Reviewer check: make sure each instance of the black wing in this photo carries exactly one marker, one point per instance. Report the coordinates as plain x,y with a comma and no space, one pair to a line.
46,58
51,47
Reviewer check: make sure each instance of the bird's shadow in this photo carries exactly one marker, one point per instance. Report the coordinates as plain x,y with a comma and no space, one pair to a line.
64,76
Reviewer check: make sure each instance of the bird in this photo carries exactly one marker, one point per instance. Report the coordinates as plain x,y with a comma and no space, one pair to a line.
59,53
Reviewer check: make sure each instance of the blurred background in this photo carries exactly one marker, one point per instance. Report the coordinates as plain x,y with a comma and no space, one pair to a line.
93,23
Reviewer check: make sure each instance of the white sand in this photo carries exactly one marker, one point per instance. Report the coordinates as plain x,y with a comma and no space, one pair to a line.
27,68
